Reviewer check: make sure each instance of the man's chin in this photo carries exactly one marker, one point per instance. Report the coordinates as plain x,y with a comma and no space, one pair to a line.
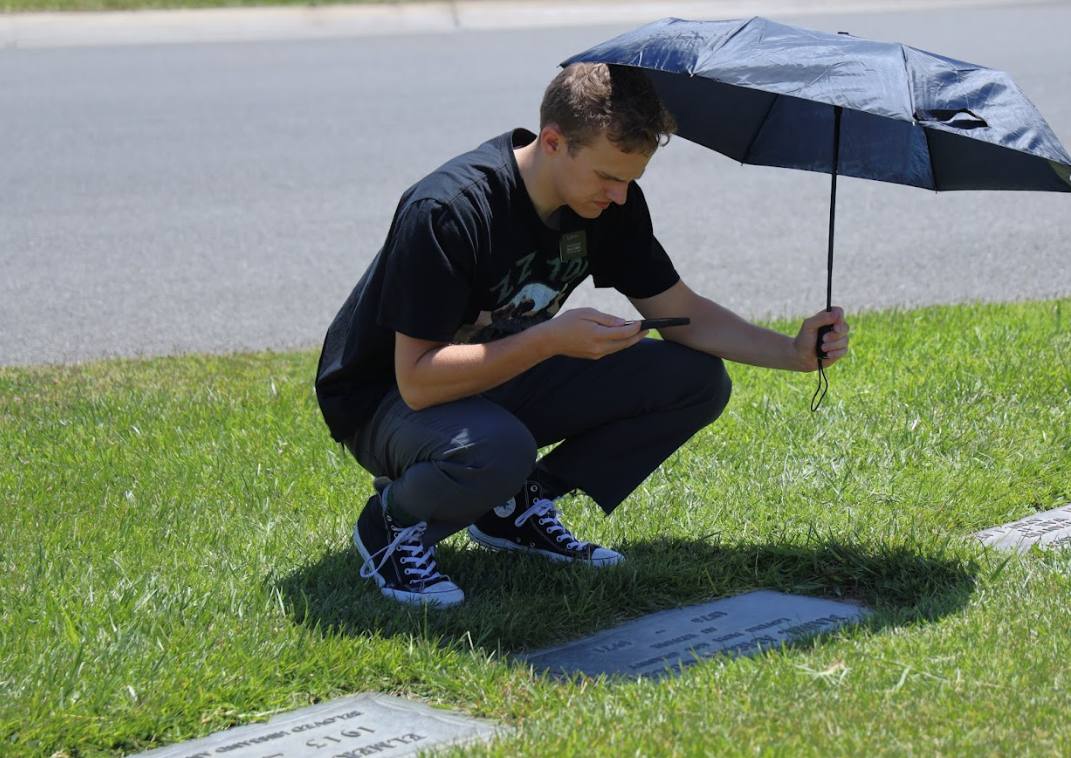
588,210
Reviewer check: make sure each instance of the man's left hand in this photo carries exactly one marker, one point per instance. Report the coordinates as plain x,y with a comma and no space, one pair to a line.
835,343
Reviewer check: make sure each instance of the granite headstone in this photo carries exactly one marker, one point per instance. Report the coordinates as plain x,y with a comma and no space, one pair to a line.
1051,529
369,724
666,642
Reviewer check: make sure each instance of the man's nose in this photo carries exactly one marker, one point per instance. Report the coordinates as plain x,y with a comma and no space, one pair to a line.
618,192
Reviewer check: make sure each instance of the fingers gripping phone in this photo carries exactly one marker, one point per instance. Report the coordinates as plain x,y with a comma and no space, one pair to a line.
660,323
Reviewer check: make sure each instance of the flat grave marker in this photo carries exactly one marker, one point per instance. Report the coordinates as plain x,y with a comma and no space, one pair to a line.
666,642
1051,529
369,724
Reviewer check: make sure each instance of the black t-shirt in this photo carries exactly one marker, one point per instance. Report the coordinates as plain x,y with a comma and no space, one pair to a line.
467,259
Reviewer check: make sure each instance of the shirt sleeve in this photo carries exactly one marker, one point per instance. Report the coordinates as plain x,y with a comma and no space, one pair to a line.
635,263
429,262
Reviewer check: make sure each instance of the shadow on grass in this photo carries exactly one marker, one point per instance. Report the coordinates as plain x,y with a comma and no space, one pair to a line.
516,603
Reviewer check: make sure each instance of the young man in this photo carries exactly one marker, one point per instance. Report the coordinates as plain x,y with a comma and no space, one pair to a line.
444,372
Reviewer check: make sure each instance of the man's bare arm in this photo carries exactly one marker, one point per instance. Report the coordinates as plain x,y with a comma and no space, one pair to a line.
430,373
716,330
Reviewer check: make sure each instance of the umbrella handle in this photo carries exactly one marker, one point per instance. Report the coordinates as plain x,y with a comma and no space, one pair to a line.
822,332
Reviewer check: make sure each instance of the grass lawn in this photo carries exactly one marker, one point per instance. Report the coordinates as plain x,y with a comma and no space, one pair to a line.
175,559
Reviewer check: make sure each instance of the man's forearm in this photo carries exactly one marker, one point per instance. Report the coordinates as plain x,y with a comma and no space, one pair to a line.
430,373
440,373
719,331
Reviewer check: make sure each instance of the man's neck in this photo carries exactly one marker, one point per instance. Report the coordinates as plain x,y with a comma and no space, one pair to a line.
536,179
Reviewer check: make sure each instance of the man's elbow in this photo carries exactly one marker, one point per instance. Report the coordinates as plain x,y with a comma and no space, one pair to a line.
419,396
413,396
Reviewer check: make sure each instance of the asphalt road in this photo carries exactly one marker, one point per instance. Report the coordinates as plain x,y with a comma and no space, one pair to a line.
215,197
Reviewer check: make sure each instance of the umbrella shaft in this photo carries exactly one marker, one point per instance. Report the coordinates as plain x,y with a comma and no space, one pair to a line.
837,110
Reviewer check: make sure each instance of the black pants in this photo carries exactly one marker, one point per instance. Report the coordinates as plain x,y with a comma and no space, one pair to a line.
617,419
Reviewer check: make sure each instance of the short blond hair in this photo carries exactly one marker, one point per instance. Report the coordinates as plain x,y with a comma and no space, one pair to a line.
586,99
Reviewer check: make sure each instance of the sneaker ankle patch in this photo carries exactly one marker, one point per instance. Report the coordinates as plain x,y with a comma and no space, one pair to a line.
507,508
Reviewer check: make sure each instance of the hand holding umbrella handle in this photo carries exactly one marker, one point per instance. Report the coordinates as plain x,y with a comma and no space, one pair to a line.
822,332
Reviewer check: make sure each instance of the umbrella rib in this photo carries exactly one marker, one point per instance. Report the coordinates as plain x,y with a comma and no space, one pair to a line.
728,38
755,134
914,115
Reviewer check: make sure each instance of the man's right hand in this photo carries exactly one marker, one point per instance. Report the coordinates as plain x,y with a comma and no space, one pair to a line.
588,333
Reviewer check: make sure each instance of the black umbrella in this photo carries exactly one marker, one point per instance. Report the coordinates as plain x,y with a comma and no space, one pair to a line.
772,94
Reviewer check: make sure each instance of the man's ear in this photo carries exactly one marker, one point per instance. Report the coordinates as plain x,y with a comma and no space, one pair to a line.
552,141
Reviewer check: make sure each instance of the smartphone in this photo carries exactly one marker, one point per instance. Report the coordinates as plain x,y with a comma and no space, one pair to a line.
661,323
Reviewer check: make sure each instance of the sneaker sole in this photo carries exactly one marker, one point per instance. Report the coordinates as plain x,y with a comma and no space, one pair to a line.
504,545
442,599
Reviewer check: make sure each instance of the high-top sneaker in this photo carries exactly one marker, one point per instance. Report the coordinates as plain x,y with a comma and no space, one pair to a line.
406,570
531,523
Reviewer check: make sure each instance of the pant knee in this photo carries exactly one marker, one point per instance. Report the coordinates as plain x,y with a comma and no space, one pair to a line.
718,389
707,385
499,461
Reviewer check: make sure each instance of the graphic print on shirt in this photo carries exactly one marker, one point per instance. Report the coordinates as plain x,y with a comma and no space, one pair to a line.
529,299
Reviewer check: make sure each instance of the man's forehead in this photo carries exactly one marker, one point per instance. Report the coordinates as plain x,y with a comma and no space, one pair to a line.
614,163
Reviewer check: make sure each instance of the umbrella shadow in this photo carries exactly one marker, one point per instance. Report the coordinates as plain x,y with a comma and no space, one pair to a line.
518,603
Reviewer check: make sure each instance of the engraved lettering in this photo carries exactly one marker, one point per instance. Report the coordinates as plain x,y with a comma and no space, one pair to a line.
646,663
379,747
709,617
727,637
806,627
357,732
766,625
674,641
809,626
753,644
1041,528
250,741
615,645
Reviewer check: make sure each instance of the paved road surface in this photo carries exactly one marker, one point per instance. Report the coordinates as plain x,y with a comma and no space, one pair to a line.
217,197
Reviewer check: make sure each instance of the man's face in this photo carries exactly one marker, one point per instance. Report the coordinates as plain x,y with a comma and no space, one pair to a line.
599,174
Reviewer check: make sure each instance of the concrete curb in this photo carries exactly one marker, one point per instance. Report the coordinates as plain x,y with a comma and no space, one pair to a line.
42,30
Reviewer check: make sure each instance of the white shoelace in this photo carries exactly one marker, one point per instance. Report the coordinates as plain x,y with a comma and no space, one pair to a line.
419,561
548,514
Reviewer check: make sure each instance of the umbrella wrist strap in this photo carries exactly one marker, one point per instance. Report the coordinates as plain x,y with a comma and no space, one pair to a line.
823,388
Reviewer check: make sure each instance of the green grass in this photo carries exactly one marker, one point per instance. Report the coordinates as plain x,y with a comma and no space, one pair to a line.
175,559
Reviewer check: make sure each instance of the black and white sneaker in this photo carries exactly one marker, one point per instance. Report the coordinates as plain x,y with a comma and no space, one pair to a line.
530,523
406,569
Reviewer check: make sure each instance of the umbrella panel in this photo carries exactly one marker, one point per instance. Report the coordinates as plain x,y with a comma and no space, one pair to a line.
973,165
763,128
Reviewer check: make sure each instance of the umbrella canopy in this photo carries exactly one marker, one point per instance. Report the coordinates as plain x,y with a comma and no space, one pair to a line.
767,93
772,94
